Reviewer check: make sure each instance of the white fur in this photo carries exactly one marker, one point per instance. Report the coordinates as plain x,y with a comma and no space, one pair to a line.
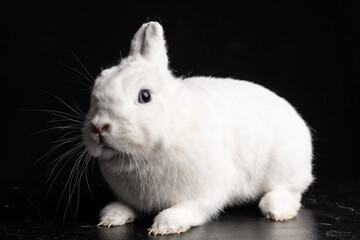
115,214
200,144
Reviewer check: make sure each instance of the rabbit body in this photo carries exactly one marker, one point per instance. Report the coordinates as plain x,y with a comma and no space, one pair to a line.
199,145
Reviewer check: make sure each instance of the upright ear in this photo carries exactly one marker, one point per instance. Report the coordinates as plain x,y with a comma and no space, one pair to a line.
149,42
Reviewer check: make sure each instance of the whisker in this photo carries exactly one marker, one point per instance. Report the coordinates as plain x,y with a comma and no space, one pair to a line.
82,65
67,140
88,158
65,120
72,127
75,171
80,111
68,182
58,173
67,105
75,159
58,113
82,171
52,150
45,131
71,185
88,86
78,201
62,144
57,162
74,69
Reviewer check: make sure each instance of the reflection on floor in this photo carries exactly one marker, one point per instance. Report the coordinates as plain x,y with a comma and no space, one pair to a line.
331,210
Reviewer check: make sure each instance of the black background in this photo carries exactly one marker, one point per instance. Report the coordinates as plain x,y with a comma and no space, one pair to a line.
305,52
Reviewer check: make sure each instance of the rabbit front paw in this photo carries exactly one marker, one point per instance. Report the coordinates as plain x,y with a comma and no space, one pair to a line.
115,214
171,221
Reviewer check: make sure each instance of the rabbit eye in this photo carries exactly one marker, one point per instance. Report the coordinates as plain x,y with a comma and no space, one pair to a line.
144,96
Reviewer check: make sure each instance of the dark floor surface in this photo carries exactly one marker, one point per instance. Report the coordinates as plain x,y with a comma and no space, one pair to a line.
331,210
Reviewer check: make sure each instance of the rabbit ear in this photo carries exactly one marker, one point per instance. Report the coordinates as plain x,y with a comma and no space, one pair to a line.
150,43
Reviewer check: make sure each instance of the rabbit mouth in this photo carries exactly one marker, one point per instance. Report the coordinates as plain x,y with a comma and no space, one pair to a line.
107,152
108,148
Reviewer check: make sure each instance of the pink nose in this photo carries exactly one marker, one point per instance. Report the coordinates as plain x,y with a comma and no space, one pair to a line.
101,128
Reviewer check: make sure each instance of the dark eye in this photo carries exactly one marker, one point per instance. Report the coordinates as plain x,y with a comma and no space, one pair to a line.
144,96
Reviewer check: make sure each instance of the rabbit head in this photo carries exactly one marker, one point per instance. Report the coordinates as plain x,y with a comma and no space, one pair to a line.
131,102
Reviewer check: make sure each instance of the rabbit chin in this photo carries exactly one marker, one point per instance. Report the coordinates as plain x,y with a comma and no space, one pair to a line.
101,152
107,153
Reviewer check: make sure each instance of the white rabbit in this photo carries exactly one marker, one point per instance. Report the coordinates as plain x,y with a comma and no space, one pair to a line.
186,148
